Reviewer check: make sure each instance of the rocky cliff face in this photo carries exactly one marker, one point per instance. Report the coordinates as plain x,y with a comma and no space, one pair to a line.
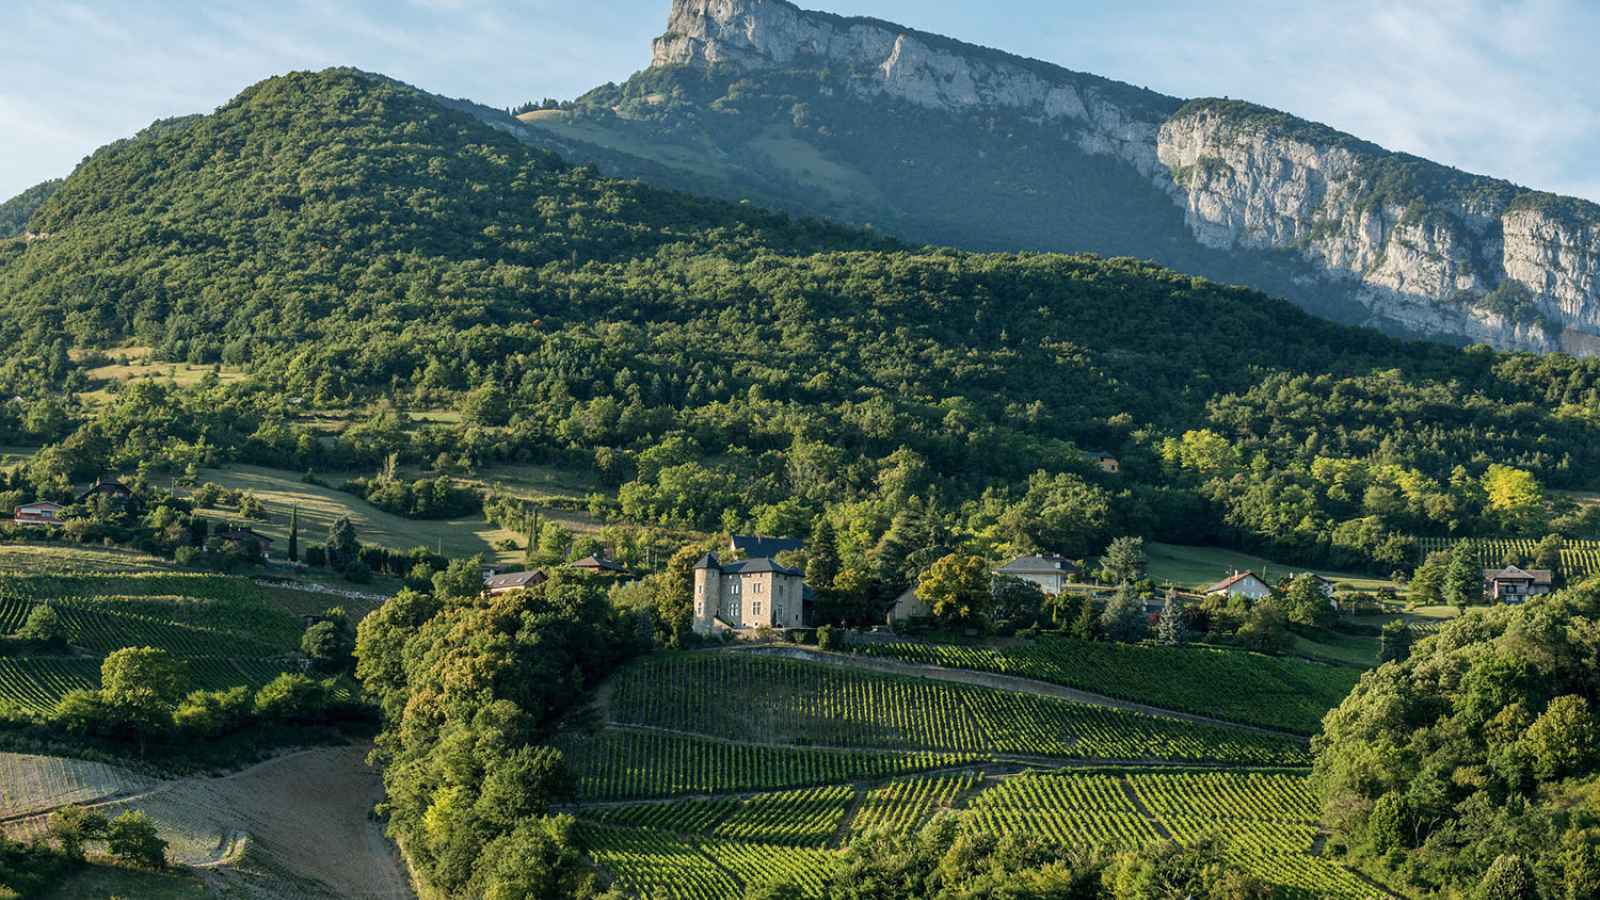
1424,249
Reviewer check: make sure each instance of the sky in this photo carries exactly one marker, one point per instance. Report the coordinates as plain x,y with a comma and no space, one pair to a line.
1510,89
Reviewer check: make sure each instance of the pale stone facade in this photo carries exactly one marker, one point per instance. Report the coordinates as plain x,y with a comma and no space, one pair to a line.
747,594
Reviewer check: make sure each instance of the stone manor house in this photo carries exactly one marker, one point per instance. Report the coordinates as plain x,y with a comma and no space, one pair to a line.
749,593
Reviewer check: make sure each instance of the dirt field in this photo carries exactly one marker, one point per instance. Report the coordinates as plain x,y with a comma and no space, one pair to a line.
293,828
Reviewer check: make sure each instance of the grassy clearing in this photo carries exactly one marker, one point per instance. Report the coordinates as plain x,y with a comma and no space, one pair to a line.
106,882
281,491
64,559
1197,568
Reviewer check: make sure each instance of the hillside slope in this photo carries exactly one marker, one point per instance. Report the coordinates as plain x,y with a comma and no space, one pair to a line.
935,140
343,242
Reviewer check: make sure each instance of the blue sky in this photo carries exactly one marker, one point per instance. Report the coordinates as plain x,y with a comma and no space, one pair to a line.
1510,89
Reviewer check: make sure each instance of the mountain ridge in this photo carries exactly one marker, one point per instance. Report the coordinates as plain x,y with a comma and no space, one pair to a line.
1336,223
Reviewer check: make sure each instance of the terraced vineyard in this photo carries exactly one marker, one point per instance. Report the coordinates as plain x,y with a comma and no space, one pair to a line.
903,804
1265,691
776,701
618,764
1579,558
229,630
33,784
786,809
1266,821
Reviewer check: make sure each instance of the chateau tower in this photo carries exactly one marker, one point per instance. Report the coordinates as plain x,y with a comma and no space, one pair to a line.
707,593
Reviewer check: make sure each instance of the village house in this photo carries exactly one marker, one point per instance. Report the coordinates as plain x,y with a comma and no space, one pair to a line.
1241,584
507,582
1514,584
599,565
243,536
110,487
908,606
749,593
1104,460
36,515
1050,573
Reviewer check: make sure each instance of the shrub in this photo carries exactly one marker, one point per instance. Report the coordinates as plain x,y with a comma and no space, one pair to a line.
132,838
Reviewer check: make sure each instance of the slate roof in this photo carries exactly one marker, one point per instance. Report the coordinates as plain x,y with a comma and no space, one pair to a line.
596,562
1517,573
243,533
1038,564
757,547
763,564
514,579
1100,454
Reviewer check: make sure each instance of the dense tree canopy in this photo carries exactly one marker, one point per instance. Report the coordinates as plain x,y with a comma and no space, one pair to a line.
1478,756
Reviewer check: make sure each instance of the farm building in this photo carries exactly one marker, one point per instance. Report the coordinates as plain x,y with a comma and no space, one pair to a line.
240,536
749,593
38,514
1514,584
1241,584
1050,573
761,547
599,565
507,582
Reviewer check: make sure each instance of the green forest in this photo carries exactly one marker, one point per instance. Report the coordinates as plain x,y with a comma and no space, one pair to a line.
350,244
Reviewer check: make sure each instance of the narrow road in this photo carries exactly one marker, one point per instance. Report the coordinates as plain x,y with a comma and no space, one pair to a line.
996,680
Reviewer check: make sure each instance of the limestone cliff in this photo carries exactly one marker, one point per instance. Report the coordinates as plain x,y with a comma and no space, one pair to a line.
1422,248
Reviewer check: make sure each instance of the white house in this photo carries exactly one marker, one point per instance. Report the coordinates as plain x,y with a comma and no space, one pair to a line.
1050,573
1241,584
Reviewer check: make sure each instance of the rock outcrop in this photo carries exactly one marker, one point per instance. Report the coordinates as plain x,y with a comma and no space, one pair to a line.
1423,248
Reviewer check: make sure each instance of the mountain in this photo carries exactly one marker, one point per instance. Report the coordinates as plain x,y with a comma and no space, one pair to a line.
345,243
939,141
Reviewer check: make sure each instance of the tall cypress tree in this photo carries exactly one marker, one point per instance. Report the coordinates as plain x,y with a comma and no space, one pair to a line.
822,566
294,534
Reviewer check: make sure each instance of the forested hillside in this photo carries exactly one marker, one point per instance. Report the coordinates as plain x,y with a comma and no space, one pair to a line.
348,243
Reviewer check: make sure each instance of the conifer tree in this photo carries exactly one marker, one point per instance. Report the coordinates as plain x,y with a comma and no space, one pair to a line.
1172,630
1086,627
822,566
1124,619
294,534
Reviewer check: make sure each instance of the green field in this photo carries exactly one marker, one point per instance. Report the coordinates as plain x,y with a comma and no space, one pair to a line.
1266,691
1197,568
280,492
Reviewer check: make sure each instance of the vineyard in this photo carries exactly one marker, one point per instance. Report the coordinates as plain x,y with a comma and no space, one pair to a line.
1579,558
774,701
1265,820
627,764
1265,691
801,758
33,784
227,629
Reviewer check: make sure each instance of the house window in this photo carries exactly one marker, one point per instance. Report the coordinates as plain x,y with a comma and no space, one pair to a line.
736,588
755,608
755,588
778,611
699,607
700,588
